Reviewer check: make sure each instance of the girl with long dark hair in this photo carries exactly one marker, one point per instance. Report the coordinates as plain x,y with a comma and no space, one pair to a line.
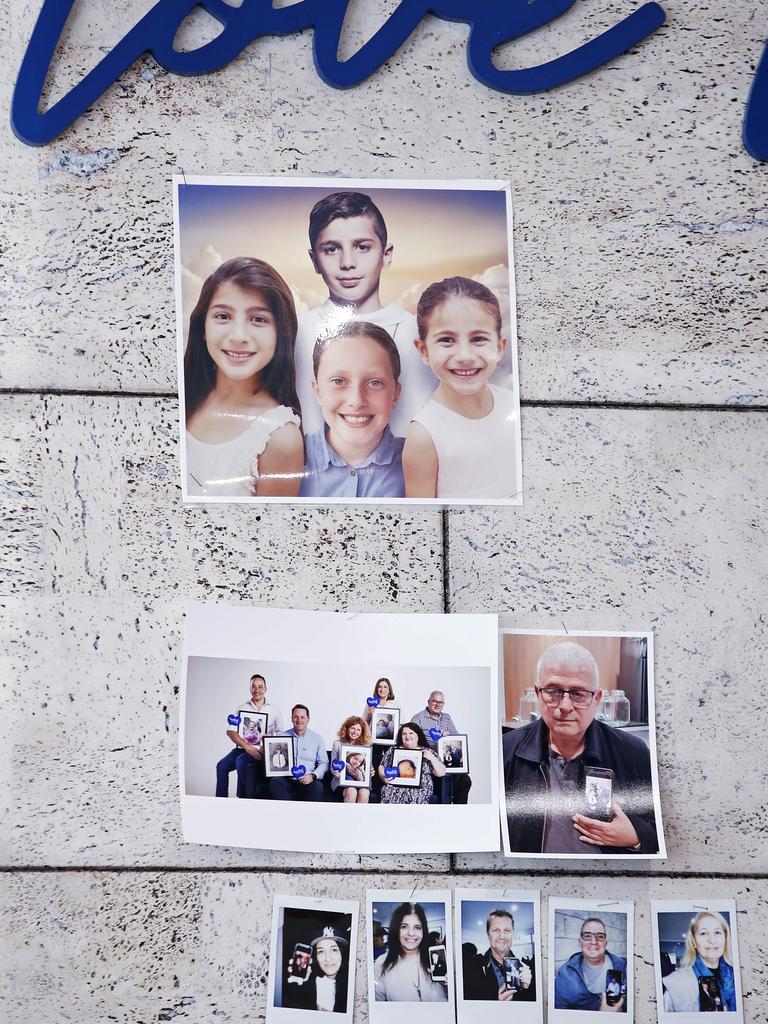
402,974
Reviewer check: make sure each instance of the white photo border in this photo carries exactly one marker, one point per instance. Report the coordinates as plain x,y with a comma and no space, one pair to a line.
290,1015
474,1011
574,634
695,906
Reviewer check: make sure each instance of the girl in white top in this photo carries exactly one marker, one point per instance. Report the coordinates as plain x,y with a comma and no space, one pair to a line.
243,429
464,442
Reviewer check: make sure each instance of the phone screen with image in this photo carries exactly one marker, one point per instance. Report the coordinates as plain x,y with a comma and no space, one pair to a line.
302,960
438,964
614,987
511,973
598,793
710,999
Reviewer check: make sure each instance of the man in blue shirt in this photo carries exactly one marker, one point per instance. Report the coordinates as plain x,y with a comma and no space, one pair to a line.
309,753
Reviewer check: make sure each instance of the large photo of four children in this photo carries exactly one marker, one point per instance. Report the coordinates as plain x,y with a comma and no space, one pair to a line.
347,341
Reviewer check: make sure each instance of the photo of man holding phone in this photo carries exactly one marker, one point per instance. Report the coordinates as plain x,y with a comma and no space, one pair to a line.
592,978
499,974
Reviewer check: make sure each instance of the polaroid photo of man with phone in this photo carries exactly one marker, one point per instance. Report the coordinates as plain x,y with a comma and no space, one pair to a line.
498,965
312,962
410,956
696,960
580,775
590,960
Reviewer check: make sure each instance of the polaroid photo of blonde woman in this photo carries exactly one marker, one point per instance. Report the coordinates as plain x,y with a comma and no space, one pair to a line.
591,968
696,960
499,969
312,960
410,956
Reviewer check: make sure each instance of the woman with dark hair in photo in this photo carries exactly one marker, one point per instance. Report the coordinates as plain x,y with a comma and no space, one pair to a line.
325,985
705,976
243,427
411,737
385,694
402,974
354,730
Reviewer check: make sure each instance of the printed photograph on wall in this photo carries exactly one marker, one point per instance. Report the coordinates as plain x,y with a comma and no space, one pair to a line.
410,956
320,685
579,746
498,961
696,960
347,341
590,960
312,959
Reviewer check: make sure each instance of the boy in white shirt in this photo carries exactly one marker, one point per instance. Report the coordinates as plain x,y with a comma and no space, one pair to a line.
349,249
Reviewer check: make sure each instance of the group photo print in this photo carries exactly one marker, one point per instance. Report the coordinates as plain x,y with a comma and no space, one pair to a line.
578,741
347,342
283,750
498,958
312,959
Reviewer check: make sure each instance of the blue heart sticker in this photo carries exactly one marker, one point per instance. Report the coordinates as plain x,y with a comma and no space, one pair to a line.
298,771
233,719
435,734
391,772
337,765
373,702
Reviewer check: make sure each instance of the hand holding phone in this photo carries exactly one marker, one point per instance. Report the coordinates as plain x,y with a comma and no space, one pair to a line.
598,793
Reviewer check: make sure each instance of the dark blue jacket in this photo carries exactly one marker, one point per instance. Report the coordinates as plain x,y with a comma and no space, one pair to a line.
571,992
526,755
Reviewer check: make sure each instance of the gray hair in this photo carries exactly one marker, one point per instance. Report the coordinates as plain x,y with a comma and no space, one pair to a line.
568,655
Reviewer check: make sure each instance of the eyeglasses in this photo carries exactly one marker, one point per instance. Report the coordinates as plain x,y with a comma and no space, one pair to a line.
553,696
597,936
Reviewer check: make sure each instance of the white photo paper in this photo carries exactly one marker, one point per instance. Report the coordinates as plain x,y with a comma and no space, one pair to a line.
696,961
579,766
499,968
312,960
323,677
337,342
591,965
409,956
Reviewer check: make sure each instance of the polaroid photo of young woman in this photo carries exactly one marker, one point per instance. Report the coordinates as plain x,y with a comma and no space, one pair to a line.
499,968
379,367
312,960
696,960
591,967
410,956
355,770
579,765
278,757
453,751
327,683
384,725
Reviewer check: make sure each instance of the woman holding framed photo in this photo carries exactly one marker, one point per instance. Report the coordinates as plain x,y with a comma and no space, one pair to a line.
354,731
403,973
409,738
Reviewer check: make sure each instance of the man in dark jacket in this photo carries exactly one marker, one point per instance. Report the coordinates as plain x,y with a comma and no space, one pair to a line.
545,764
485,977
581,982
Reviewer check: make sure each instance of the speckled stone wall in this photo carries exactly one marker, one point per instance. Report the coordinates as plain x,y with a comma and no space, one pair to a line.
640,239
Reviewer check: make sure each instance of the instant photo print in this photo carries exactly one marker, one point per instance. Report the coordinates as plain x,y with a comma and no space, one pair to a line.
499,968
320,782
279,760
603,804
410,956
357,766
696,961
293,293
585,938
312,960
453,751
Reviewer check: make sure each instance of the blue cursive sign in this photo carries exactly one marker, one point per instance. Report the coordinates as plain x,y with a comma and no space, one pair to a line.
491,24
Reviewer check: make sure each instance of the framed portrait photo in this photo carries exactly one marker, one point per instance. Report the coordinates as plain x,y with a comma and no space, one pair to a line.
356,772
409,765
253,727
453,752
384,725
278,756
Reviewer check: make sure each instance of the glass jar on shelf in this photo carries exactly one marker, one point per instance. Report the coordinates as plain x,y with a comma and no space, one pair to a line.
528,709
605,710
620,709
